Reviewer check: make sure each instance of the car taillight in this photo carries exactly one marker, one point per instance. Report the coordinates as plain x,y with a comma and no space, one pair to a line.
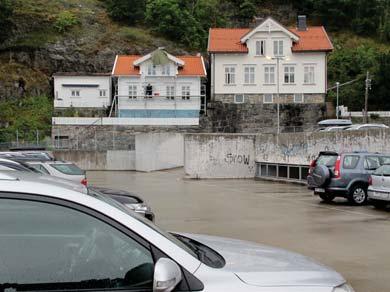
84,182
313,163
370,180
337,172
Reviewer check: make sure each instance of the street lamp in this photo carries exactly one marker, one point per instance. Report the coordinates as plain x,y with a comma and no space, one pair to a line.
337,99
278,58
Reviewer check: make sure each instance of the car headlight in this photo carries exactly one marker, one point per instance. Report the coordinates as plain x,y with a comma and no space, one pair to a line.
343,288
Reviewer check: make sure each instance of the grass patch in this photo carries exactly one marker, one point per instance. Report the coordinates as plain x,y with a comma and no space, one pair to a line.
134,34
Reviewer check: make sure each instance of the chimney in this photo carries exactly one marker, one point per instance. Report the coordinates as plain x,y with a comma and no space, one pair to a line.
302,25
256,21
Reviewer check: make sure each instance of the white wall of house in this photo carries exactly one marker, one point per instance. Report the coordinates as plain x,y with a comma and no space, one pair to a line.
298,61
82,91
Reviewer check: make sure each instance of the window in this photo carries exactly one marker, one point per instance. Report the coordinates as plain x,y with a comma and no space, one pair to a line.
132,91
41,168
68,250
289,74
298,98
170,92
309,75
102,92
239,98
185,92
151,70
278,48
75,93
166,70
350,161
230,75
68,168
249,75
372,162
269,74
268,98
260,48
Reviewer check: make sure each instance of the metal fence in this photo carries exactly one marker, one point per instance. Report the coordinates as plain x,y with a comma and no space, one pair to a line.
278,171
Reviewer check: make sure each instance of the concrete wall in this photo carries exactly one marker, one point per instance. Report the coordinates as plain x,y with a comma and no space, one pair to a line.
157,151
234,156
99,160
219,156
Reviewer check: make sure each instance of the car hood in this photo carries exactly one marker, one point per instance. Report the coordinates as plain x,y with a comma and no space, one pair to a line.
261,265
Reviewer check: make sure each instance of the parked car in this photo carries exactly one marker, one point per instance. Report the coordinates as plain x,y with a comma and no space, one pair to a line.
333,129
334,124
344,175
365,127
7,164
131,200
379,189
78,242
62,169
28,155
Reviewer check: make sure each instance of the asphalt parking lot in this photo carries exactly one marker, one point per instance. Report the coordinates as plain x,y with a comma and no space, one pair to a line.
355,241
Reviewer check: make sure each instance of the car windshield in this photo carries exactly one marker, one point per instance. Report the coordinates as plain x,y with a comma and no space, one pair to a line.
68,168
102,197
328,160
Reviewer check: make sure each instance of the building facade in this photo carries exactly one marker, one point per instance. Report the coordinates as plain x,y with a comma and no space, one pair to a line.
82,91
159,86
256,66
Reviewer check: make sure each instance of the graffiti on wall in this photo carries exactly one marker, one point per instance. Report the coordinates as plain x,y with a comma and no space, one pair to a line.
237,159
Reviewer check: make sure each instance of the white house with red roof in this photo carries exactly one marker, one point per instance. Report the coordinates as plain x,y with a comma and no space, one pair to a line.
159,87
254,64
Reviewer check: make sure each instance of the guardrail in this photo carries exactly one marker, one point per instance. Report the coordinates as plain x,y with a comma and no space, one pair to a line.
281,172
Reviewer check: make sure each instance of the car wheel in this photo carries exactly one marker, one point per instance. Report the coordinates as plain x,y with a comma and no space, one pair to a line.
327,198
379,204
358,195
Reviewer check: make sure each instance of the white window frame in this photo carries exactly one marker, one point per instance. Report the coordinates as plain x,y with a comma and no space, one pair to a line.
260,47
237,100
185,92
170,92
133,91
166,70
249,74
151,70
278,47
289,74
230,75
309,74
268,94
75,93
269,74
301,99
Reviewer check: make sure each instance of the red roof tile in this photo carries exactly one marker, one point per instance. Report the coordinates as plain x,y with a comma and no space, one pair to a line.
193,66
227,40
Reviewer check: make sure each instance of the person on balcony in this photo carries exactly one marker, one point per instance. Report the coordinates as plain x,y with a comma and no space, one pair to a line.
149,91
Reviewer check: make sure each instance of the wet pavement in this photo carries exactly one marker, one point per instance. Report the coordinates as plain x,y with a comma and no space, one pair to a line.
355,241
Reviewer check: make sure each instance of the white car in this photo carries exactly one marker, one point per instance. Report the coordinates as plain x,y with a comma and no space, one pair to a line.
379,187
365,127
61,169
53,237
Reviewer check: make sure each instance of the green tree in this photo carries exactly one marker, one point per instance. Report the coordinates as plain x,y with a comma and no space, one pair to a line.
379,96
173,19
6,11
128,11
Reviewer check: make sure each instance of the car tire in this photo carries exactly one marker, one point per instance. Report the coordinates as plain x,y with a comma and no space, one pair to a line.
327,198
378,204
358,195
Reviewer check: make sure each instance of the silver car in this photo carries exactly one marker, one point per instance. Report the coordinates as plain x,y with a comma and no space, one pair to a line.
61,169
55,238
379,189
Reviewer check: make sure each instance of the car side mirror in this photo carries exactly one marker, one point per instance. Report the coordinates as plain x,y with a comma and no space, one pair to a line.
167,275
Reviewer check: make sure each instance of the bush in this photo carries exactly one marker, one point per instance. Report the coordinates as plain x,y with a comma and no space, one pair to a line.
65,20
6,11
374,116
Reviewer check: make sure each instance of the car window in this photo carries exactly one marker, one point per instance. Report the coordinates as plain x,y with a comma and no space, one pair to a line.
327,160
40,168
383,170
384,160
52,247
68,168
350,161
372,162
